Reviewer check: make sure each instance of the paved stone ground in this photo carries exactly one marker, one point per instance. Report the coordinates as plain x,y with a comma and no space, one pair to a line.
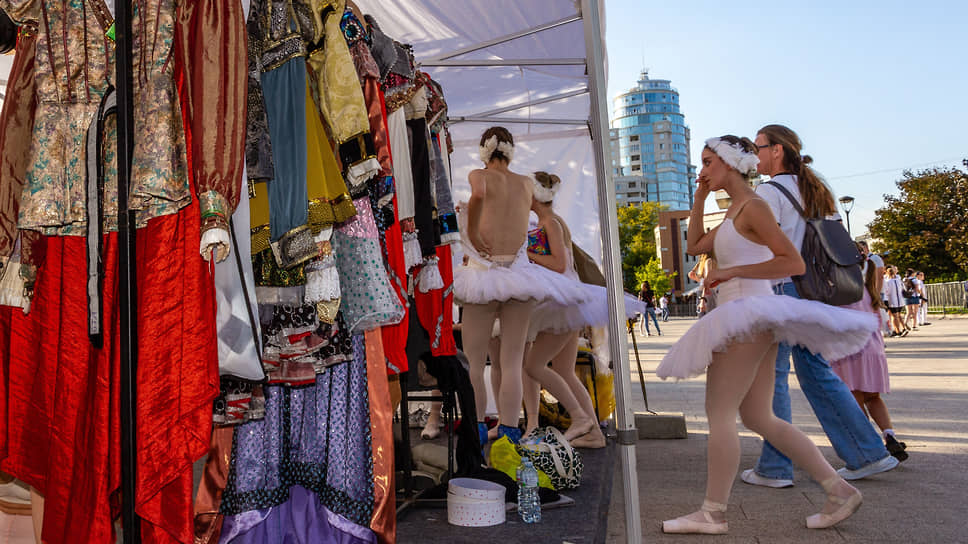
923,500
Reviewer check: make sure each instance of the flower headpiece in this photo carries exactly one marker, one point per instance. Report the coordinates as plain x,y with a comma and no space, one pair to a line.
492,144
734,155
542,193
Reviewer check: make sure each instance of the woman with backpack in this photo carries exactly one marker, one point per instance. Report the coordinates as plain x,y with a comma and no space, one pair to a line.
912,300
850,433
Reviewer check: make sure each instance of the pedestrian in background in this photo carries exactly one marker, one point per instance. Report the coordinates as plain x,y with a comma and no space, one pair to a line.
912,299
923,310
865,372
894,293
647,295
664,308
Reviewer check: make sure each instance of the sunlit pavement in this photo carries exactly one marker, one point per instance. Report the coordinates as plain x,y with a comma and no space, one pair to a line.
923,500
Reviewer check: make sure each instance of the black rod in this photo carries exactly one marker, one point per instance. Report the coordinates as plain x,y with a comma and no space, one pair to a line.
131,525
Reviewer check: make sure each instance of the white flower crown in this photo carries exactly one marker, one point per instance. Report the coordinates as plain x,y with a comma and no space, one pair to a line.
542,193
734,155
490,145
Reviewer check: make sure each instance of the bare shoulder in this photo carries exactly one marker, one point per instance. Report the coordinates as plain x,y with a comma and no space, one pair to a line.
523,180
760,209
477,173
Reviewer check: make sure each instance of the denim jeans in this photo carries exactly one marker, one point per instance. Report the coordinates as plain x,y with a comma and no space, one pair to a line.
650,312
850,432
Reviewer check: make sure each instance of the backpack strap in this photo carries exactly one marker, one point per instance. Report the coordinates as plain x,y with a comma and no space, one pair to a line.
790,197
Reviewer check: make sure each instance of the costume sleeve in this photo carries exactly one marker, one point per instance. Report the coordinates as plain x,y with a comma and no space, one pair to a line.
214,40
16,126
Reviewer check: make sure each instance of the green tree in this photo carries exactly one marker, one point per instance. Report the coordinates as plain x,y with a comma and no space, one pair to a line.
652,273
636,235
926,227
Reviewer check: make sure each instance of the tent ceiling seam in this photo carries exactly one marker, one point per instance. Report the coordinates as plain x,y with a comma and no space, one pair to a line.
507,38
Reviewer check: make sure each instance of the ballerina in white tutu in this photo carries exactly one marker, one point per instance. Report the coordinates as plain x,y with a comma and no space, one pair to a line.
738,339
498,280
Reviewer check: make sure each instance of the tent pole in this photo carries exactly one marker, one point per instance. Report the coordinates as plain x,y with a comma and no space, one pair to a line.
598,124
127,287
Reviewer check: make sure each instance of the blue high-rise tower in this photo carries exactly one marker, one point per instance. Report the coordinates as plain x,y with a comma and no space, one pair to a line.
650,146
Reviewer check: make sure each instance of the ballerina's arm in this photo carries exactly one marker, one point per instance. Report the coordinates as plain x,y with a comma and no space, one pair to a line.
756,223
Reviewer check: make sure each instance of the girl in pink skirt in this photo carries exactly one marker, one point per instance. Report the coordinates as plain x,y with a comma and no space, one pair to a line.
865,372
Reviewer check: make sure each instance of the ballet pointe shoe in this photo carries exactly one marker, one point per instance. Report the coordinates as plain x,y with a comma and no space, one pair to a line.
594,439
580,427
701,522
846,506
432,429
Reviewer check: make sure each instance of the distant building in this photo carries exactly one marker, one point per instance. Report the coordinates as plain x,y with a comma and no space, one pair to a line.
650,146
671,244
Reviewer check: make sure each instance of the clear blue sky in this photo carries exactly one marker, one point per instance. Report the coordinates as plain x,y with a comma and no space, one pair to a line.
872,87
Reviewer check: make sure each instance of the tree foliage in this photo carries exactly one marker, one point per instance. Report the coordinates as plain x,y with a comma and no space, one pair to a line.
652,272
926,227
636,235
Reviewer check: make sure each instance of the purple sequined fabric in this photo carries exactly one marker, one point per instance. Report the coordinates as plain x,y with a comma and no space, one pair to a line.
317,437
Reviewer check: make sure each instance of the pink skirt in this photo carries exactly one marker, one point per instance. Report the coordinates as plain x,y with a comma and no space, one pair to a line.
865,370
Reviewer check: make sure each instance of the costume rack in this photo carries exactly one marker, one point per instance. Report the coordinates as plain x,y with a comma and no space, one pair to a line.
128,288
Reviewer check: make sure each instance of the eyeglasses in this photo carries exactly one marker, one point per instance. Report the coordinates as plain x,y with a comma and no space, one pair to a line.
764,146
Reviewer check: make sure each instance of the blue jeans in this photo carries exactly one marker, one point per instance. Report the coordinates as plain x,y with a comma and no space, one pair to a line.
650,312
852,435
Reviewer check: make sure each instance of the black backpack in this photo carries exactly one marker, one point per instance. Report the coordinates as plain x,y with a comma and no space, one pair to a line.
908,290
834,274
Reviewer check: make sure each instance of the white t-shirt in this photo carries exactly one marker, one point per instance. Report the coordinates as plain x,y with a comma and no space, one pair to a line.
893,288
789,219
663,302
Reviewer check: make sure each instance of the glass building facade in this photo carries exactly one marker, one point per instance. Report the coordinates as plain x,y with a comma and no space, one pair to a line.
650,146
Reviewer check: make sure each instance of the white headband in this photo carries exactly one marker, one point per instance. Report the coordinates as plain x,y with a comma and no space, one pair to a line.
542,193
490,145
734,155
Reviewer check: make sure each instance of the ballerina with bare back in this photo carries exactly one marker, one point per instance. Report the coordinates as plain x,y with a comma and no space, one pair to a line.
498,280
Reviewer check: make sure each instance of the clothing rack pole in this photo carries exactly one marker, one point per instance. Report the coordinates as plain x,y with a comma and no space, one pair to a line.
127,286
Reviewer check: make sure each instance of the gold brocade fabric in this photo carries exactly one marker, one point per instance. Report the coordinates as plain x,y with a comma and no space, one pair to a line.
384,520
74,66
335,84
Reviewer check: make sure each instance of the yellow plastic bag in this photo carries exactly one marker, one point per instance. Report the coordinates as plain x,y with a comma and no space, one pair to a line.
603,394
504,457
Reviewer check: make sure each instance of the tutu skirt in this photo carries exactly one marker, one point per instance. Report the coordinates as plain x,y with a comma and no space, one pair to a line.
832,332
559,319
482,281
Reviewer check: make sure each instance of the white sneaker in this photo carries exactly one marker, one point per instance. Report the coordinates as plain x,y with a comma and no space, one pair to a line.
751,477
871,469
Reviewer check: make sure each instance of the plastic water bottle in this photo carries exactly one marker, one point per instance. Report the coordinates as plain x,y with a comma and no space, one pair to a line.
529,504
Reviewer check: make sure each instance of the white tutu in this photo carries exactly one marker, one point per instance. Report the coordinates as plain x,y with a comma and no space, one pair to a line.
559,319
830,331
481,281
504,278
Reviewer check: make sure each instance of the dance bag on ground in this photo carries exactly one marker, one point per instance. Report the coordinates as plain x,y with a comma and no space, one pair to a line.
833,274
554,456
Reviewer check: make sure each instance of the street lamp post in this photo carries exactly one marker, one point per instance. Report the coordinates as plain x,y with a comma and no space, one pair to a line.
848,203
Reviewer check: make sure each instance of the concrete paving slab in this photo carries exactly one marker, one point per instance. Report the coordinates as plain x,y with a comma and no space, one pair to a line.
920,501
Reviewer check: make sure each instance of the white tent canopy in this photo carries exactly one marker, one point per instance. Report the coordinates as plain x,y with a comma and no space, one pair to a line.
529,77
537,68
